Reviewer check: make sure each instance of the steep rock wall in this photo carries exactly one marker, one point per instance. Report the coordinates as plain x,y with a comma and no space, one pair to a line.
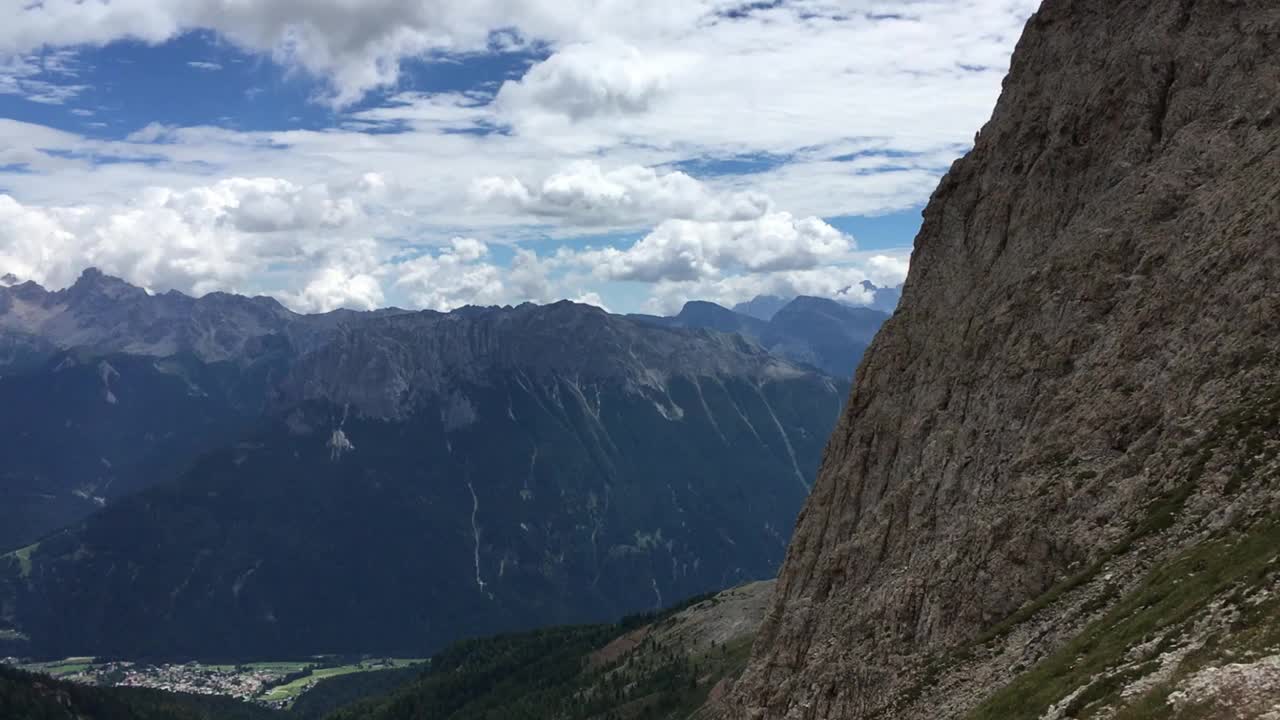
1094,291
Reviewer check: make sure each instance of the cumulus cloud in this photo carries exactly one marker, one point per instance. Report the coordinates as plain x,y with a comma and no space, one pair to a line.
586,80
586,194
858,106
591,298
336,287
358,45
841,282
684,250
462,274
355,46
198,239
611,56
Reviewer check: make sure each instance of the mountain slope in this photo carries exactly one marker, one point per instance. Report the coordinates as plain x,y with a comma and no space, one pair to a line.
106,389
829,335
654,667
82,430
422,478
762,307
1058,463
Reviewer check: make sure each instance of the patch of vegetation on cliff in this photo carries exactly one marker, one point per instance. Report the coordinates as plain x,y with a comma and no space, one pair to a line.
1242,432
1232,563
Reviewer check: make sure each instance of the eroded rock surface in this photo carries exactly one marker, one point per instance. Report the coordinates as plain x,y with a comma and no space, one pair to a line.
1082,372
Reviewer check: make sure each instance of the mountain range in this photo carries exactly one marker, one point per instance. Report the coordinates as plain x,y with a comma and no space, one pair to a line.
219,476
883,299
819,332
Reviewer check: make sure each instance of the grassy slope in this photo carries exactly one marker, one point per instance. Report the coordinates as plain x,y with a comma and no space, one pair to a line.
1232,567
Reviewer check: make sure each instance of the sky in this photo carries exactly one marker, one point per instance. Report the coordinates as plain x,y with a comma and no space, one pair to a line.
436,153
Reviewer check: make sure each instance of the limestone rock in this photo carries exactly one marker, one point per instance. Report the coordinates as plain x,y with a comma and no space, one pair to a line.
1095,287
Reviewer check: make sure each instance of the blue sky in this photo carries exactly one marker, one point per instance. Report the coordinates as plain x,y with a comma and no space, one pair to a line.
423,153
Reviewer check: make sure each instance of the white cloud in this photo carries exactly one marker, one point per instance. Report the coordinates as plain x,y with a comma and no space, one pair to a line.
841,282
357,46
837,108
462,275
613,56
216,237
585,194
204,65
585,80
684,250
591,298
336,287
40,78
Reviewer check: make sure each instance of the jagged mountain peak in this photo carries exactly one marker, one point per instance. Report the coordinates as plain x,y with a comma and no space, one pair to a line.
105,314
94,282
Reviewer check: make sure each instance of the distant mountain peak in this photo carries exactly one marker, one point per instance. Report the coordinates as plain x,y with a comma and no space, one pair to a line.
9,280
94,282
762,307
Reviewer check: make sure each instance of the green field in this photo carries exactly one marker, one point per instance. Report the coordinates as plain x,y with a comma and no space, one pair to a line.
61,668
23,556
291,690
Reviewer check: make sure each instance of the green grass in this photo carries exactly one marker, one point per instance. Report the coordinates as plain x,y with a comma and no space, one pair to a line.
61,668
23,556
1168,597
291,690
282,666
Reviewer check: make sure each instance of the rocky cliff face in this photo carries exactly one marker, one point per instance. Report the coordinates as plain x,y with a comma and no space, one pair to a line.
1058,464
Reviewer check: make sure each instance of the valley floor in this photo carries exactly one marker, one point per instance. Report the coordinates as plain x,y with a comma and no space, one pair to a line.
272,684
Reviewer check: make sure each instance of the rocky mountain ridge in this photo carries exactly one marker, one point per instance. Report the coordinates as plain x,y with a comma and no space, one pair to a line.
140,385
107,315
818,332
381,366
384,482
764,307
1053,492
